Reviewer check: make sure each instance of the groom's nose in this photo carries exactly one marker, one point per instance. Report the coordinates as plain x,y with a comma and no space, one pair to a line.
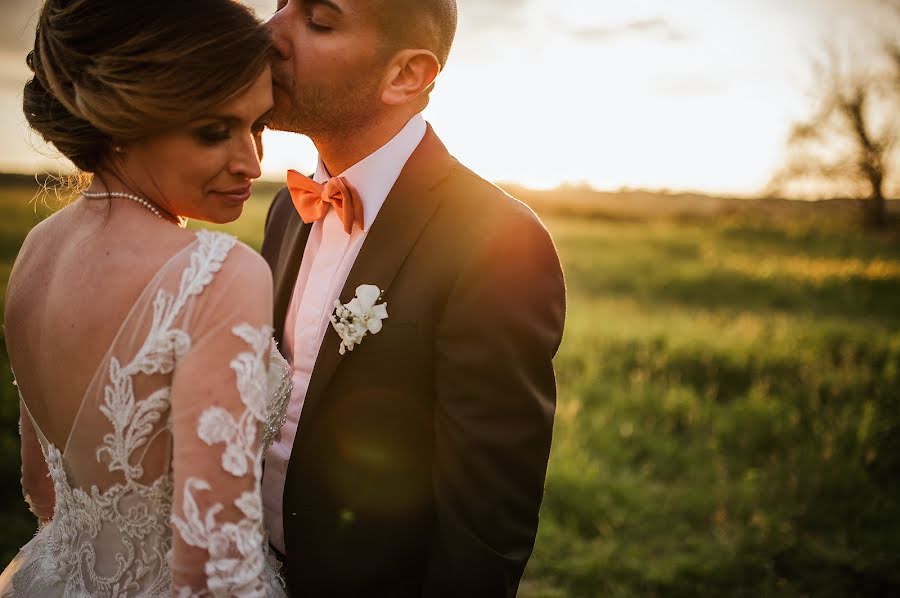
279,27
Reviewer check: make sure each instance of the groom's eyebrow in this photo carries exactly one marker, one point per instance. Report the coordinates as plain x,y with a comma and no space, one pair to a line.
326,4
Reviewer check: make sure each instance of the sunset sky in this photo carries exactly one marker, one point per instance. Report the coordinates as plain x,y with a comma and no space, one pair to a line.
684,95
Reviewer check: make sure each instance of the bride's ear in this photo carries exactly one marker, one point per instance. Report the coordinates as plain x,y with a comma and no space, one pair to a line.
410,74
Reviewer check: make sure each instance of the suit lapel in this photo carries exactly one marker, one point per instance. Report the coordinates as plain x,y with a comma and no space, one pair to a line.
285,277
404,215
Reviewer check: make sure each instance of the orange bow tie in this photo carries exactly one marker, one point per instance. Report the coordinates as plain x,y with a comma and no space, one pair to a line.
313,199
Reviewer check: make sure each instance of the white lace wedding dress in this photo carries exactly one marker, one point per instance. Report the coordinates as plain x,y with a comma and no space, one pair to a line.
157,489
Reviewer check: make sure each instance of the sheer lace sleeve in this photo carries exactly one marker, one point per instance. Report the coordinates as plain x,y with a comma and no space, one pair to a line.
218,409
37,486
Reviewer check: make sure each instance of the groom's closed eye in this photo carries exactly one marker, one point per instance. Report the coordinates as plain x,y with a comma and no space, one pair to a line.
316,26
321,16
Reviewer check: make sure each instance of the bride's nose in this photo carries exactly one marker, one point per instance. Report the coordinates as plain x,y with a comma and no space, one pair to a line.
247,155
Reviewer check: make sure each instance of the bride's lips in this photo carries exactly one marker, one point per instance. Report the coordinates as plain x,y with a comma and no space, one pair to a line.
238,195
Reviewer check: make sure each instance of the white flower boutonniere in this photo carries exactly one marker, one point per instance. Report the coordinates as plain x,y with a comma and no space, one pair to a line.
358,317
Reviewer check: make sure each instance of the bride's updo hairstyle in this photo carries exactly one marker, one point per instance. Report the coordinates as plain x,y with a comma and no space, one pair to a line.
114,71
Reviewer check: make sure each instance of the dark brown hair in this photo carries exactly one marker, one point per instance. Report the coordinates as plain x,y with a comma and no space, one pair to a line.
111,71
420,24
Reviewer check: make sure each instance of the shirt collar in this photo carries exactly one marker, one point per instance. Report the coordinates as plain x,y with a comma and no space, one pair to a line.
374,176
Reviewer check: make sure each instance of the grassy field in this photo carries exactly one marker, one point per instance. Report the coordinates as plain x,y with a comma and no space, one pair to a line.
729,408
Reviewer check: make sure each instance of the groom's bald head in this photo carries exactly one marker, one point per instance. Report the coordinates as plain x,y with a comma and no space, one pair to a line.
342,65
417,24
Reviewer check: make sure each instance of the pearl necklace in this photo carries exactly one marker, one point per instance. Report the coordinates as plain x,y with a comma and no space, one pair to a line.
132,197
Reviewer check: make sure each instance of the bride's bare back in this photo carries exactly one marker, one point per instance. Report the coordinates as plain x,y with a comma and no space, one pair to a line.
75,279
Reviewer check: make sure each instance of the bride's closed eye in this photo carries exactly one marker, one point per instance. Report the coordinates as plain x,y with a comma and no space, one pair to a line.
262,122
212,134
216,133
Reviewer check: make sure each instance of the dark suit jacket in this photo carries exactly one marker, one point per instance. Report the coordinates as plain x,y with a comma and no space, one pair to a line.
419,463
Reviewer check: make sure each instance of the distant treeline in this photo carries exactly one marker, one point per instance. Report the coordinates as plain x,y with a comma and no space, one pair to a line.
642,205
624,205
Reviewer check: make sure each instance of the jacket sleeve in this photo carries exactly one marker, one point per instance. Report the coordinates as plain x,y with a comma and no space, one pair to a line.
496,397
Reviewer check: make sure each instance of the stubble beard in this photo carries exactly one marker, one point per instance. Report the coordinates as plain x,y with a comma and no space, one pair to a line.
325,113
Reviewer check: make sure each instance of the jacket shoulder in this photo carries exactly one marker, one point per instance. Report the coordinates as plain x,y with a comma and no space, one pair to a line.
486,208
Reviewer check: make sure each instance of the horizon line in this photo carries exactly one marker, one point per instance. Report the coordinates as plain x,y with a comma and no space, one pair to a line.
571,187
568,186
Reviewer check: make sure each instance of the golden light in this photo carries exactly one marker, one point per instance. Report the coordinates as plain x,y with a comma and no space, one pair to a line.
694,95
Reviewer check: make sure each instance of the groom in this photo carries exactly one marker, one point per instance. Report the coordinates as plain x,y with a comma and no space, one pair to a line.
413,465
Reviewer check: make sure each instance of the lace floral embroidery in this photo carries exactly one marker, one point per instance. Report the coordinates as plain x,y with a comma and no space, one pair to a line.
133,420
236,562
115,542
64,554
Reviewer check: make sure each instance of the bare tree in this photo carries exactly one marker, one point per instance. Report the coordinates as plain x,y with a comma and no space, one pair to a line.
850,142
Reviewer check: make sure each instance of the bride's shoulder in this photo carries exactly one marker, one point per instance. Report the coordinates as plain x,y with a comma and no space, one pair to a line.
240,256
41,243
241,268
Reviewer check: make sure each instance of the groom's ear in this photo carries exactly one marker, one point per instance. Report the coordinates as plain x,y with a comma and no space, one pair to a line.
410,74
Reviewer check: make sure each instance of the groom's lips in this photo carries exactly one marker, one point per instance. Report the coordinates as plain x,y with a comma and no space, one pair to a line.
238,195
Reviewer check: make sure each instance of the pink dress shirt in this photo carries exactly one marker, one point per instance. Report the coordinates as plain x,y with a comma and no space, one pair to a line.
328,258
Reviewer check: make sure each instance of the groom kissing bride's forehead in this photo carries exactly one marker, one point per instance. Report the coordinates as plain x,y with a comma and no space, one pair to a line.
420,308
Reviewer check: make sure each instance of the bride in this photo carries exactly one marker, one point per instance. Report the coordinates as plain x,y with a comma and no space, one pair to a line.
142,351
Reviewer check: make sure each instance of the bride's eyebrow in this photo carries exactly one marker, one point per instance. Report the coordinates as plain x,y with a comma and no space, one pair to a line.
229,119
214,118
